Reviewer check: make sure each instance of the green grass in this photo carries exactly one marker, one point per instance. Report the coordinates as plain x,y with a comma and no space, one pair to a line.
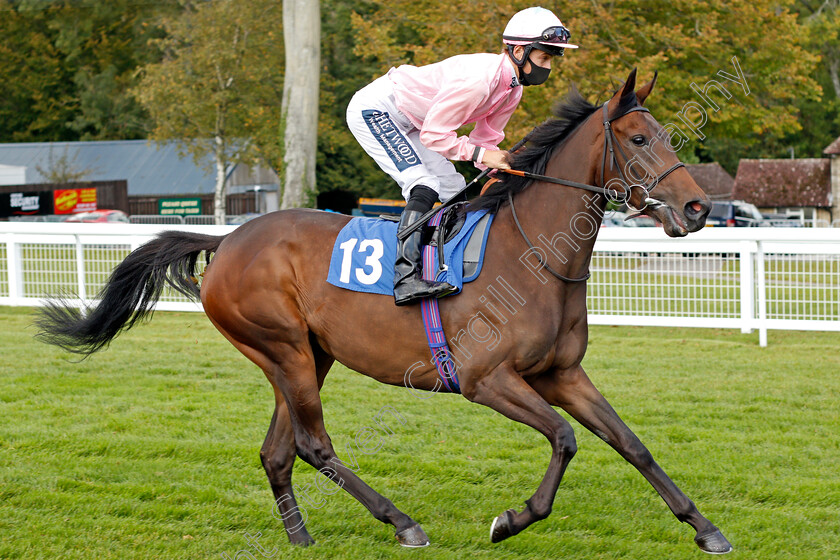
150,450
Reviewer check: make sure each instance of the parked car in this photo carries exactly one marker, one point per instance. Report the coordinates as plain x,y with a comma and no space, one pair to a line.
734,213
99,216
783,220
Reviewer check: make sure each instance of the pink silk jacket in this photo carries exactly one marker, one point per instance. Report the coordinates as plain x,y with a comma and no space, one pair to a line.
471,88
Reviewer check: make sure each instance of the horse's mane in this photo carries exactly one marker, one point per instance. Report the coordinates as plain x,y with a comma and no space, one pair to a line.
570,112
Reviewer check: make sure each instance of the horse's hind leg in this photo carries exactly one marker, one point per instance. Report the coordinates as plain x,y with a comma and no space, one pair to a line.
294,375
506,392
575,393
278,456
278,341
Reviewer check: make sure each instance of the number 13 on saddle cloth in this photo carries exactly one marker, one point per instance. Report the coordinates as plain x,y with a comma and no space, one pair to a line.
365,250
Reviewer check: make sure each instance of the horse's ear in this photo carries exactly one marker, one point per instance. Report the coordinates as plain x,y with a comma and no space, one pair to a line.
625,90
630,84
645,90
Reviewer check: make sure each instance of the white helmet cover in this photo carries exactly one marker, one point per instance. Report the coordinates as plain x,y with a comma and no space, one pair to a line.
537,26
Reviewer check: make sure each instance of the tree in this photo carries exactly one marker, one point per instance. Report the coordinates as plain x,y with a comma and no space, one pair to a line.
215,87
342,163
823,18
302,37
820,118
36,98
67,66
70,71
103,44
687,41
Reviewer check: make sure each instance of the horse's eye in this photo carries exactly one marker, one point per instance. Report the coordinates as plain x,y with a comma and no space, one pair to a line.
639,140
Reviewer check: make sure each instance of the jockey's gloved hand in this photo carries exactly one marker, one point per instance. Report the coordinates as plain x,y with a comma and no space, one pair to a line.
497,159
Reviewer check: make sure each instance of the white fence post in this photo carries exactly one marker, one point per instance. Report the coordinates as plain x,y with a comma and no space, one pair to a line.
762,294
80,269
15,269
748,252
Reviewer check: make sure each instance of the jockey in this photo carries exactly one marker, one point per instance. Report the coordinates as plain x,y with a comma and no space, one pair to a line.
407,122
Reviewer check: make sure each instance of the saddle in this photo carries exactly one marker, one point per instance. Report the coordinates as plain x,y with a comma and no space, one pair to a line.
450,225
365,249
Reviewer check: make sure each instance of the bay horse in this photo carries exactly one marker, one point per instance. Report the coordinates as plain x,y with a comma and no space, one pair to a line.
265,291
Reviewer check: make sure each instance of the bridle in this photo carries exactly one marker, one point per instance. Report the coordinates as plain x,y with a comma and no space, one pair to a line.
610,145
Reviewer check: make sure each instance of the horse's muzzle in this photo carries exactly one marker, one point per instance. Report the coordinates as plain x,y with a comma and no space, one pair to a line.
679,223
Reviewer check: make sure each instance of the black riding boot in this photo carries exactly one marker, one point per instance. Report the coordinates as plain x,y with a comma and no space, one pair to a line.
409,286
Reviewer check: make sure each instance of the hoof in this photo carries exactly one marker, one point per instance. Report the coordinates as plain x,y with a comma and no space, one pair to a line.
413,537
713,543
301,540
502,527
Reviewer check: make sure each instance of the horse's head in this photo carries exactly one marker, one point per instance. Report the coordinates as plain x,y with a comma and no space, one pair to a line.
660,186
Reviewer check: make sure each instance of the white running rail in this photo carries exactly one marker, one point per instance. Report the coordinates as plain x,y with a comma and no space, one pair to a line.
743,278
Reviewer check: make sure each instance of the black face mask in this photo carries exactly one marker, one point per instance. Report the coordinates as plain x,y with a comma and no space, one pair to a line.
536,76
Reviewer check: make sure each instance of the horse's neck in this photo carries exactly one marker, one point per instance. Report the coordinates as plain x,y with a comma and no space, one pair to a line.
565,213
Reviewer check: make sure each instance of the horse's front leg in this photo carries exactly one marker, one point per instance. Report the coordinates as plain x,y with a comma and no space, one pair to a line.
574,392
506,392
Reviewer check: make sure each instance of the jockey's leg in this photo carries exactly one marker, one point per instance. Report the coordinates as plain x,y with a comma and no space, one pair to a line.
390,138
409,285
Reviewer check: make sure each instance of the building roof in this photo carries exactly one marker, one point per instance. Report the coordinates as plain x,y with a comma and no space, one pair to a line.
784,182
833,148
713,179
150,168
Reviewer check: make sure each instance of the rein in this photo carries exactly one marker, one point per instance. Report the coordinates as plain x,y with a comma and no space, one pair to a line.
534,249
610,143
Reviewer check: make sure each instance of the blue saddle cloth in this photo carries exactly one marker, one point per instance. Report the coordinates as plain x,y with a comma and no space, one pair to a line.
364,253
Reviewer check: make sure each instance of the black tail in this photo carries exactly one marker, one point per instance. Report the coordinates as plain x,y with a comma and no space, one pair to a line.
130,293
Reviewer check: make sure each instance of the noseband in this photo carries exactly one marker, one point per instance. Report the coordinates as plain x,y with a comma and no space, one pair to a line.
610,144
